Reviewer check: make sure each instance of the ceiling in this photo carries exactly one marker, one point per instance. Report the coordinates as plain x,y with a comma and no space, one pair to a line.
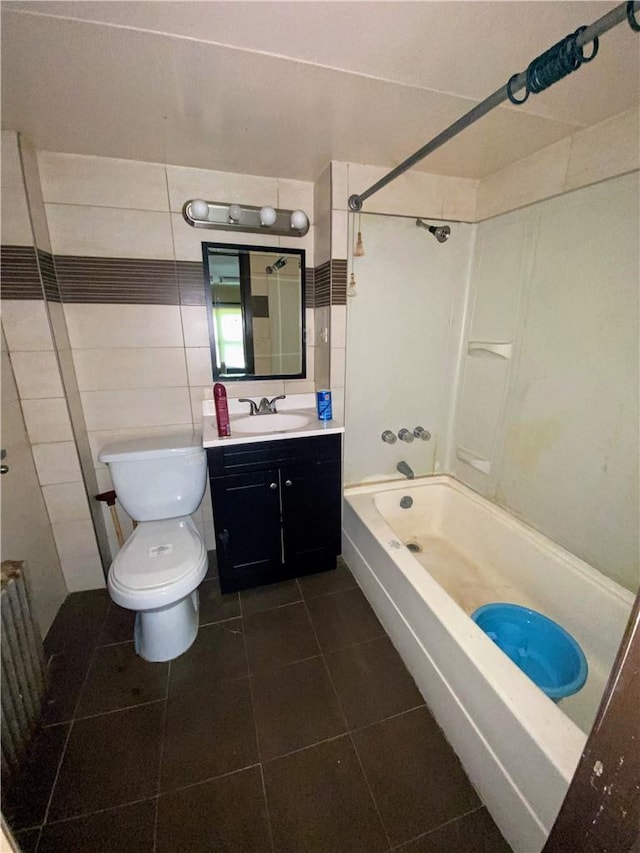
281,88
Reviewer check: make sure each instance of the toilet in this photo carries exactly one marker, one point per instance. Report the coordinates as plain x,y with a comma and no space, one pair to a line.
159,481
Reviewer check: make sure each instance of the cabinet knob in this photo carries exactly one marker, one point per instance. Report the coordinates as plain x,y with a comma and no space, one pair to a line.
288,483
273,485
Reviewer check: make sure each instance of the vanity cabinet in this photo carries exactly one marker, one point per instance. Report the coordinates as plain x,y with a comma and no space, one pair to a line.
276,509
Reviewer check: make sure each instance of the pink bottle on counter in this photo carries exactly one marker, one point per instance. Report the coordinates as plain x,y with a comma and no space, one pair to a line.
222,410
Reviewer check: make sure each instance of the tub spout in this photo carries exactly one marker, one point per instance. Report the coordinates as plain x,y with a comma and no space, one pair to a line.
405,469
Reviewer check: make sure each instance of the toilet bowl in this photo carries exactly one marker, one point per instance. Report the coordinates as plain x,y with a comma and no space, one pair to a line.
157,573
159,481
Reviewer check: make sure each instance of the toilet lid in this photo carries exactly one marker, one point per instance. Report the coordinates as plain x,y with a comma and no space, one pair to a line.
158,553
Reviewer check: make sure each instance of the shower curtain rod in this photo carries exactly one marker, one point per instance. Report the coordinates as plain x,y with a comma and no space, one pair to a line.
623,12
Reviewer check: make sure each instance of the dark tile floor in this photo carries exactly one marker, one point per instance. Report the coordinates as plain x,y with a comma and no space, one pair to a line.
290,725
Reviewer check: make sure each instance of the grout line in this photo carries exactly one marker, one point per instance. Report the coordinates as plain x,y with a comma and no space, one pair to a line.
436,828
163,726
55,781
348,733
264,672
206,781
117,710
39,828
83,815
390,717
308,746
71,725
255,729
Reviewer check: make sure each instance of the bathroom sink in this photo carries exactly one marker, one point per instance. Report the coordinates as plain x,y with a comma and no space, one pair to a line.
258,424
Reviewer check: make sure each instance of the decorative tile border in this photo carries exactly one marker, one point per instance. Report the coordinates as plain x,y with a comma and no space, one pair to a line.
322,285
190,282
70,278
338,282
20,273
309,295
49,276
122,280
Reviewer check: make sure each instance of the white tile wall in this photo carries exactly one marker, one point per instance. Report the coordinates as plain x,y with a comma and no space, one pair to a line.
37,374
339,185
66,502
118,326
199,367
296,195
153,367
57,462
339,234
185,184
15,222
139,407
47,420
109,232
195,326
102,182
76,544
26,325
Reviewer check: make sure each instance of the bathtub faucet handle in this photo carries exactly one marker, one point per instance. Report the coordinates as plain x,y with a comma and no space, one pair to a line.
421,432
389,437
405,435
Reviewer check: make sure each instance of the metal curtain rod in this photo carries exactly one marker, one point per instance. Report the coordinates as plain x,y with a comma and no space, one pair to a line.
615,16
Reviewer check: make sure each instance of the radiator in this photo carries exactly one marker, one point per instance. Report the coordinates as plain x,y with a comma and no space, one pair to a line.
22,671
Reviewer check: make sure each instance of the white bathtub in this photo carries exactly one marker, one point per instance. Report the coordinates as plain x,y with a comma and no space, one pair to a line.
519,749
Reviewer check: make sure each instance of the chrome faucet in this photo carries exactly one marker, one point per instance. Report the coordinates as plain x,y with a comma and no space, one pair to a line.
405,469
265,407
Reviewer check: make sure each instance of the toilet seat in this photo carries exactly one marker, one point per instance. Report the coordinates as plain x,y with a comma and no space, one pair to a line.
160,563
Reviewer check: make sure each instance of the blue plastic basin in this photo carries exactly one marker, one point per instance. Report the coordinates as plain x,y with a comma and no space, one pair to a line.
542,649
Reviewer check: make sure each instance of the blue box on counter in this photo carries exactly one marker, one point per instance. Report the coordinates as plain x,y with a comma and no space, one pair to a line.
324,405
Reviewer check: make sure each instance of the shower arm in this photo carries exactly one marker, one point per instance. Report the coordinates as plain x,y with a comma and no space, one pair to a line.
623,12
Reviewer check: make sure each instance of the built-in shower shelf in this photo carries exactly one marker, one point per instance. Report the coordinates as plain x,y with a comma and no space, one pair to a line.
474,460
502,350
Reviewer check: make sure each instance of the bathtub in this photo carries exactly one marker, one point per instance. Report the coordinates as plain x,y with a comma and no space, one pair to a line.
519,748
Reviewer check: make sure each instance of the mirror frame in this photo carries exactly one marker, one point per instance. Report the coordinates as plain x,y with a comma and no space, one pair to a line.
243,249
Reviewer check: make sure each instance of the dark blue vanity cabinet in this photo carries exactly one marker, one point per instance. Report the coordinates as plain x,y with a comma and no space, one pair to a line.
276,508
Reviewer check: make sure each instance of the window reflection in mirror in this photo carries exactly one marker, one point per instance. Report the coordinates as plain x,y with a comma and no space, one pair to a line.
255,301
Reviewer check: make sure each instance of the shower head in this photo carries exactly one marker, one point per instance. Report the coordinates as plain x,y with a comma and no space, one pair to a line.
277,265
440,232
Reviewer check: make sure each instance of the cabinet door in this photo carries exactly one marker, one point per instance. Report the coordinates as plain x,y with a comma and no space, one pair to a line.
311,494
247,521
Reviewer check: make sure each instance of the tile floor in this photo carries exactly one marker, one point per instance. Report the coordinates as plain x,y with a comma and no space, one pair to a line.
290,725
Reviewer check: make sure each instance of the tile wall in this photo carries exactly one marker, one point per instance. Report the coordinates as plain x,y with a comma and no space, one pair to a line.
130,275
34,327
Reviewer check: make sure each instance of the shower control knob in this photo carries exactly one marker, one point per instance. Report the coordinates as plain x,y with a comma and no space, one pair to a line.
389,437
422,433
405,435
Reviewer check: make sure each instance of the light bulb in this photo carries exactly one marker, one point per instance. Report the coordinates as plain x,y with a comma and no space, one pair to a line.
267,215
235,212
299,220
358,251
199,209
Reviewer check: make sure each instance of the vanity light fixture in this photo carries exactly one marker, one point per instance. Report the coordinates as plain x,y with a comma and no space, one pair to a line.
246,217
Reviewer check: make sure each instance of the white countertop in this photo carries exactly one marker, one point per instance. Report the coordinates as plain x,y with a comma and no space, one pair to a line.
303,404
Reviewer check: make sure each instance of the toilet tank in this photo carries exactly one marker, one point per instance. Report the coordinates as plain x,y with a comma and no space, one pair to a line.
158,477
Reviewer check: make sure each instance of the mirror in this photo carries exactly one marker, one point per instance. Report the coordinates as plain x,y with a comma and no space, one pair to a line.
255,306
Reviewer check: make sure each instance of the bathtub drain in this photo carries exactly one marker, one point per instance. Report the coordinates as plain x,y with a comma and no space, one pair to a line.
414,547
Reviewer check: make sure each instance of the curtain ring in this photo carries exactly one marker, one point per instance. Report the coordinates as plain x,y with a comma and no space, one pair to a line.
596,41
631,17
510,94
